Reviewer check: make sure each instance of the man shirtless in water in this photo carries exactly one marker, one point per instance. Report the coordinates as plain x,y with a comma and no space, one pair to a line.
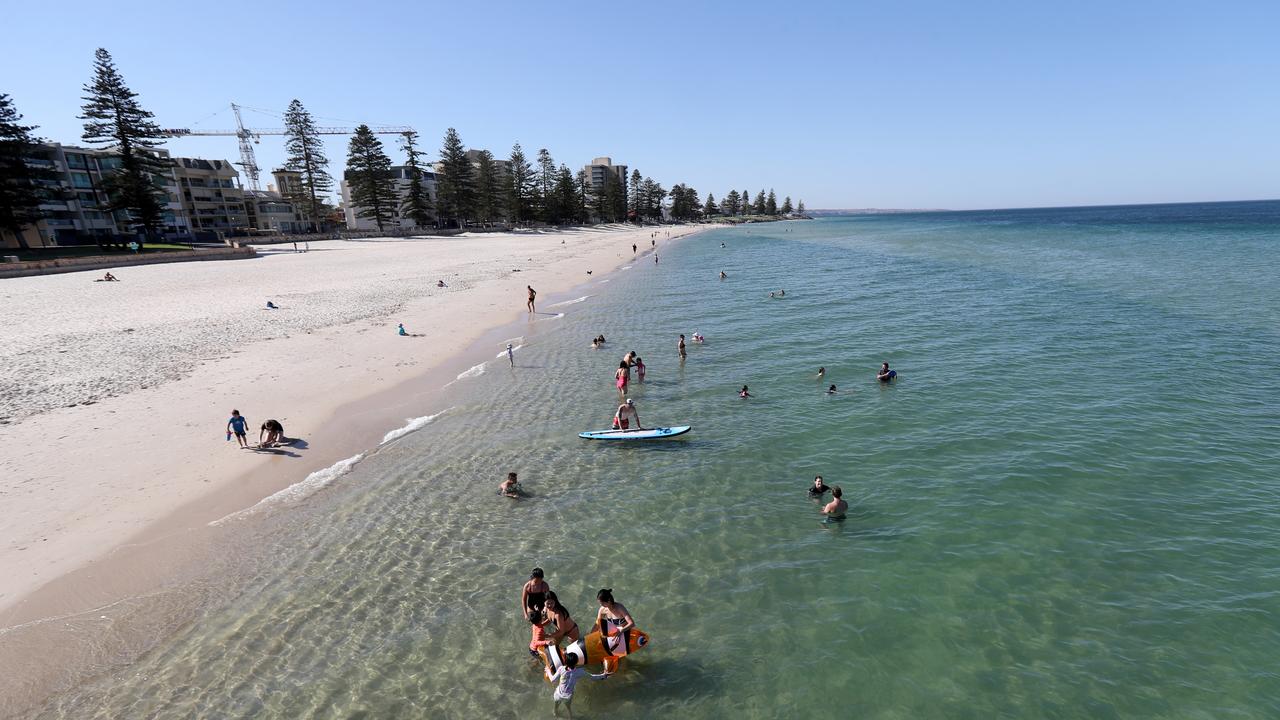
837,507
532,294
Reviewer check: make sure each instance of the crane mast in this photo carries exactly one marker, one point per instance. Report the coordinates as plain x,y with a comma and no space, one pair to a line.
248,160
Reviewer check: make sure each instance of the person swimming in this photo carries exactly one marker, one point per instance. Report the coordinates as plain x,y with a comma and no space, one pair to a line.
743,392
699,337
822,372
510,487
819,488
836,509
722,275
885,374
831,390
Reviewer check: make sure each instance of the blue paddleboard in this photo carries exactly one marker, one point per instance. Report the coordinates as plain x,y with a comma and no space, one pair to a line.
649,434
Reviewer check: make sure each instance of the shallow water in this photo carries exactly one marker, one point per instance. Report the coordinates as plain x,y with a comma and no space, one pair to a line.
1065,507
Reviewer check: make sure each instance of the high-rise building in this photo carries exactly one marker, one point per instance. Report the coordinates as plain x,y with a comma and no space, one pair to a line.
399,220
600,169
269,211
210,194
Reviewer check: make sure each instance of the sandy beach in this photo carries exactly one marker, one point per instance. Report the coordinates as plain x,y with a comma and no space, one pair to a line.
114,396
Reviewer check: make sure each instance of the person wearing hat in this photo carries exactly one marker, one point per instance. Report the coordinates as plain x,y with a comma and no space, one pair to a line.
626,415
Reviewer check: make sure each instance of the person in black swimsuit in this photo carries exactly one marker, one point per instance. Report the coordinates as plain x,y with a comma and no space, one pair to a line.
534,595
819,488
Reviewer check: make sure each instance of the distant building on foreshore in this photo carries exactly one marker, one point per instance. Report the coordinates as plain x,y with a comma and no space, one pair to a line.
80,216
269,211
351,211
211,196
599,171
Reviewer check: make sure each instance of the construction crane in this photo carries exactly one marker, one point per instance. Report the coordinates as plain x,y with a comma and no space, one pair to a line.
250,136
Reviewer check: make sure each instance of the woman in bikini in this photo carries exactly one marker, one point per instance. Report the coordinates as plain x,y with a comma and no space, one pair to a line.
566,628
613,617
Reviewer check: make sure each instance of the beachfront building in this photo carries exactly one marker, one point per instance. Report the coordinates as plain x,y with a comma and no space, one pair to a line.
288,182
79,216
211,197
351,211
269,211
599,171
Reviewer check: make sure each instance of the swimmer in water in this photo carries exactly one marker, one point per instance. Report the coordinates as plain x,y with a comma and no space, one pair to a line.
510,487
743,392
831,390
885,374
722,275
699,337
822,372
819,488
836,509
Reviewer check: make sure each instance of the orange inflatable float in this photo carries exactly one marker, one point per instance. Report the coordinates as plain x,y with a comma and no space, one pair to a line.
596,648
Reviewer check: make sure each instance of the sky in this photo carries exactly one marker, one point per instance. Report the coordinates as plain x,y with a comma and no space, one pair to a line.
908,104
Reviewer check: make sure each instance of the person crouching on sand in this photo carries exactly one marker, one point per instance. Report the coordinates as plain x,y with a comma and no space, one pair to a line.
274,433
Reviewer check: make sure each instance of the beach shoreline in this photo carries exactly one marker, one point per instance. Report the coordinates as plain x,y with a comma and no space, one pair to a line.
109,542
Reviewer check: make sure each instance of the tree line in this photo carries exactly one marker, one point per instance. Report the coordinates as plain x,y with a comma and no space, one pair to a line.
485,190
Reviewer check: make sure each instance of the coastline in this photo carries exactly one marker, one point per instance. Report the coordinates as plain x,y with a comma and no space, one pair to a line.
123,543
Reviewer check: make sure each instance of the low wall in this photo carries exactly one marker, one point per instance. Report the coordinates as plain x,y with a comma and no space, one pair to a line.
106,262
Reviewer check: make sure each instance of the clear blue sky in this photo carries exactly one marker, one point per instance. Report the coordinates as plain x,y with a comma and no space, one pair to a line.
923,104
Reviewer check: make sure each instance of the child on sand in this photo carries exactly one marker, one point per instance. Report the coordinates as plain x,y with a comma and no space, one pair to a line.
237,425
400,330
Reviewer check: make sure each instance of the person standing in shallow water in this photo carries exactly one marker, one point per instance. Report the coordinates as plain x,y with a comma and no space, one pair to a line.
532,294
680,346
836,509
534,595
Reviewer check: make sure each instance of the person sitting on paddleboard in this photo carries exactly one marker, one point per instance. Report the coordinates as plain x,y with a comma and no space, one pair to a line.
819,488
626,415
885,374
835,509
566,628
613,616
534,595
510,487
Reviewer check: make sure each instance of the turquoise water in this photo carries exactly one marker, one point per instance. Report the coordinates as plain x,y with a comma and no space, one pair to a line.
1065,507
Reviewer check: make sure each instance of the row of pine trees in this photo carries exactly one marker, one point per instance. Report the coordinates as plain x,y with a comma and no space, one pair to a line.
466,193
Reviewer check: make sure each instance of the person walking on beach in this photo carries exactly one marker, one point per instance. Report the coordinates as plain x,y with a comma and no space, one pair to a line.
625,415
565,679
680,346
511,355
633,248
237,425
532,294
621,377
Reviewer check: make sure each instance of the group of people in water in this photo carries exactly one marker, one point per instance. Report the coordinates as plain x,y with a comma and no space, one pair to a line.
552,626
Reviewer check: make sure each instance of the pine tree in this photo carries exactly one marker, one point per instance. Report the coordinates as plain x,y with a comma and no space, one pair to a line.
455,187
116,119
566,191
519,187
417,201
732,203
584,196
710,208
800,208
771,204
306,156
746,202
373,188
761,204
634,196
786,205
488,188
22,186
550,208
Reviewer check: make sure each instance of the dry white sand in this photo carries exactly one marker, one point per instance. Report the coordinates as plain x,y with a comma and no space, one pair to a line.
114,396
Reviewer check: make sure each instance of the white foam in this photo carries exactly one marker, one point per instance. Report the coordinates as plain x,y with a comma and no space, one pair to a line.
514,340
625,267
412,425
504,352
604,281
474,371
557,316
571,302
296,492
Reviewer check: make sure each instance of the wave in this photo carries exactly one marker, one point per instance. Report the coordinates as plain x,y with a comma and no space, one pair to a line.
474,371
557,316
412,425
575,301
296,492
626,267
504,352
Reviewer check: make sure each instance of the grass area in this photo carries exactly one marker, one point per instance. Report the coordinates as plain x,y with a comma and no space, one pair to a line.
77,251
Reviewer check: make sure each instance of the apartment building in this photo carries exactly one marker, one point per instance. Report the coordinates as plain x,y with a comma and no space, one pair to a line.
399,221
80,215
600,169
210,195
269,211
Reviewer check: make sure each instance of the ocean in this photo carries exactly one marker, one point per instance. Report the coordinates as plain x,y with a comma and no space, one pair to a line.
1065,506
